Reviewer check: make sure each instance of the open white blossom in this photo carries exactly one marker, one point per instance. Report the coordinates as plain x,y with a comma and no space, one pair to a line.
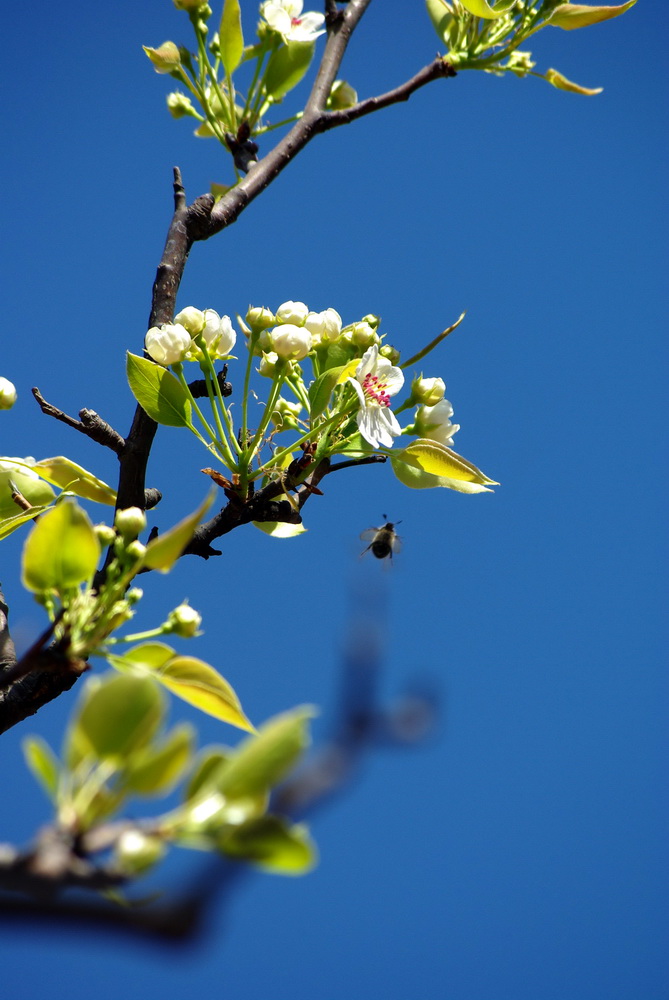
286,18
376,380
291,342
218,333
167,344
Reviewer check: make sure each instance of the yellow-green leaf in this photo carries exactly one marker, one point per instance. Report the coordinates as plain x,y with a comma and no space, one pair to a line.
35,490
61,471
286,67
156,769
271,844
9,524
261,761
231,39
481,8
321,390
163,551
426,464
200,685
440,15
61,551
158,392
118,714
579,15
562,83
147,656
43,763
280,529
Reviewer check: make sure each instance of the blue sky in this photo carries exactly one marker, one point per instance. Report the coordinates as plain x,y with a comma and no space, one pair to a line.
520,853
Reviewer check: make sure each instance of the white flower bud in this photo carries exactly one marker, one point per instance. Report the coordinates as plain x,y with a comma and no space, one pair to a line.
165,59
342,95
325,326
292,312
428,390
260,318
184,621
268,364
136,851
7,394
291,342
136,550
130,522
191,319
434,422
167,344
179,106
105,535
285,414
364,335
218,334
390,352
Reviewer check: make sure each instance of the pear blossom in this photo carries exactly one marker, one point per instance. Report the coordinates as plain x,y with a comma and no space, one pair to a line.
325,326
376,380
167,344
291,342
7,394
434,422
218,334
286,18
428,391
292,312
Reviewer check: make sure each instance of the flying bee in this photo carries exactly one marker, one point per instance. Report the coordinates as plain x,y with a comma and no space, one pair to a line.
383,541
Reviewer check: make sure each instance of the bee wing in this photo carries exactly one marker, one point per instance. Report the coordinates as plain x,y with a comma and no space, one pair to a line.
369,534
396,543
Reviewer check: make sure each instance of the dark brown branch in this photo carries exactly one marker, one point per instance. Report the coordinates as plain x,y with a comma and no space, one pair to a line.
7,650
90,424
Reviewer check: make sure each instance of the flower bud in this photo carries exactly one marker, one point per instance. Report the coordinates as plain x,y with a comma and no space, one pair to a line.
390,352
136,852
191,5
434,422
260,318
373,320
363,335
130,522
285,414
134,595
268,364
136,550
180,106
324,326
167,344
342,95
105,535
184,621
291,342
427,390
165,59
7,394
292,312
218,334
191,319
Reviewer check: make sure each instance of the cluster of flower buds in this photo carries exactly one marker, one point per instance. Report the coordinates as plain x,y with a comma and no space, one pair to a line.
172,343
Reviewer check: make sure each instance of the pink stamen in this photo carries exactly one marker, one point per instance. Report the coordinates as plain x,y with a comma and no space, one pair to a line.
296,20
375,389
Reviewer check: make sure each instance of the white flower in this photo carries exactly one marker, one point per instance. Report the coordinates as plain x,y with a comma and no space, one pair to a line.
376,380
167,344
185,621
286,18
7,394
434,422
292,312
291,342
325,326
191,319
218,334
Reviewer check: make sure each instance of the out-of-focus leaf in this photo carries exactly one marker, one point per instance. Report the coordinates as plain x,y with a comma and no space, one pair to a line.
200,685
118,714
562,83
147,656
163,551
230,37
156,769
286,67
43,764
158,392
271,844
10,524
262,761
321,390
35,490
206,769
69,476
579,15
280,529
61,551
440,16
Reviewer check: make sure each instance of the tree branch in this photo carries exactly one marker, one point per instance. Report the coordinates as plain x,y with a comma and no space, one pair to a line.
90,424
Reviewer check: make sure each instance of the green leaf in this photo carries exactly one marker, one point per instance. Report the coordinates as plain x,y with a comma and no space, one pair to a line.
9,524
440,16
321,390
156,769
69,476
562,83
336,356
200,685
272,844
426,464
286,67
481,8
117,715
206,770
231,39
280,529
163,551
261,761
61,551
43,763
579,15
158,392
148,656
36,492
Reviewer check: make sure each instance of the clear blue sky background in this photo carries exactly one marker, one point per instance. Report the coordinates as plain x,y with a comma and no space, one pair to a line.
520,854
